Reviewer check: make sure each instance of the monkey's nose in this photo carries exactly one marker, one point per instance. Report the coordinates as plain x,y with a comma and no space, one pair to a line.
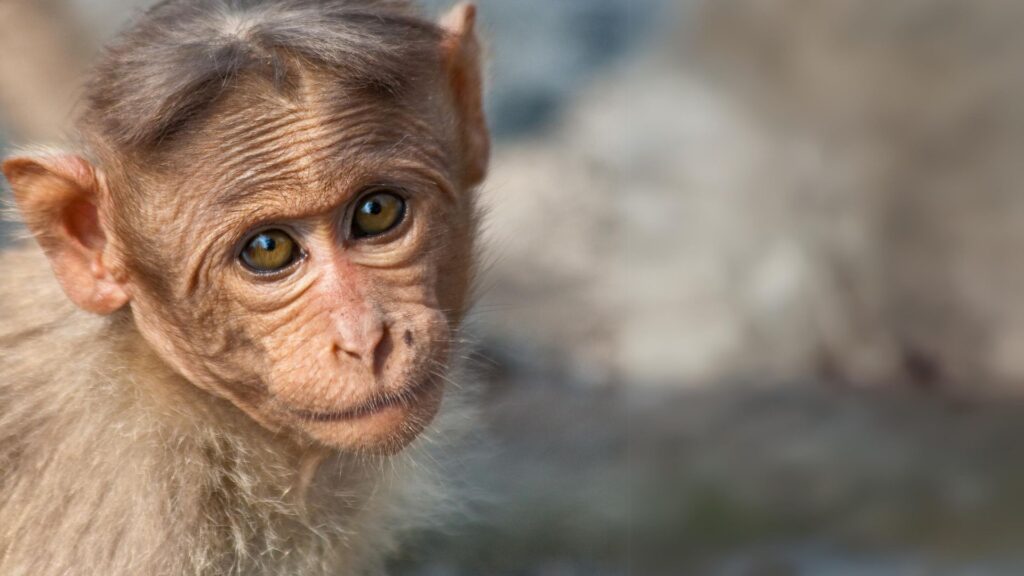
362,338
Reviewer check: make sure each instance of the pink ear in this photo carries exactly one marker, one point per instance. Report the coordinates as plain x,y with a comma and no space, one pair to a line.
461,51
59,197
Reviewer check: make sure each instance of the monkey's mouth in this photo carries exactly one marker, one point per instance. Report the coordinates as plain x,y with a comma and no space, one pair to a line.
407,397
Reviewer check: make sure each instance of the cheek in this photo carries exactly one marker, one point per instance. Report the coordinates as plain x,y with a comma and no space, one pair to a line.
420,344
300,357
204,344
454,277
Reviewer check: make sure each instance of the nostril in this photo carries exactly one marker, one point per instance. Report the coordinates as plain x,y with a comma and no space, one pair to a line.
382,352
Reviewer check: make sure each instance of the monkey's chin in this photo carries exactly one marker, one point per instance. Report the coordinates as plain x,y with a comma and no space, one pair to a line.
383,428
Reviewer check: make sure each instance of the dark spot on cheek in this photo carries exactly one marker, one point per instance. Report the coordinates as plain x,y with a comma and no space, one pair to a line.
407,338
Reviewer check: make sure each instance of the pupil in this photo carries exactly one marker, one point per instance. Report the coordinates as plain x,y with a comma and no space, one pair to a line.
373,208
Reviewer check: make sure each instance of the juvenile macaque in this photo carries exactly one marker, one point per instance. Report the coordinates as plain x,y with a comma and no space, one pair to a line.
263,249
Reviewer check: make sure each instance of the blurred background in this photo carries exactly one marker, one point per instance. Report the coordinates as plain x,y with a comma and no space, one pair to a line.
755,295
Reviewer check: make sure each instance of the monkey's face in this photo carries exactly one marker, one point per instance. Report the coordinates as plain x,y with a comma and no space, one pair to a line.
313,272
292,229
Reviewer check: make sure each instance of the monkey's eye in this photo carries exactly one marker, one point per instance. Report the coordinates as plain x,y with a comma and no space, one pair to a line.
376,213
269,251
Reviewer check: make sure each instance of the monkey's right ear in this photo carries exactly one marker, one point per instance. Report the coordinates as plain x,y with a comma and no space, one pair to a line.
59,196
461,53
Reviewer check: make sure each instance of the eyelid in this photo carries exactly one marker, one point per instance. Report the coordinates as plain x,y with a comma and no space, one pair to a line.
243,239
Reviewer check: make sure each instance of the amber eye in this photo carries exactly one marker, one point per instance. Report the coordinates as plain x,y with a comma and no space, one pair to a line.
377,213
269,251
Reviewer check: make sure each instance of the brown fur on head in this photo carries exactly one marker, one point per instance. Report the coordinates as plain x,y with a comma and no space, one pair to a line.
214,123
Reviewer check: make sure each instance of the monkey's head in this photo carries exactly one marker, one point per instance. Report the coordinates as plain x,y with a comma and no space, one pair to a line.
279,194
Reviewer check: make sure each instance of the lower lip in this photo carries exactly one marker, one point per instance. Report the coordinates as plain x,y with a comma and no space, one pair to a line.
410,396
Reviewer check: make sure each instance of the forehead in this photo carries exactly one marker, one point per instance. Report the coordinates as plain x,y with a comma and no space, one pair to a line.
303,147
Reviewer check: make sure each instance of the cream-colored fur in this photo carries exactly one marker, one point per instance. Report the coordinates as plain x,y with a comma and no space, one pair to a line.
112,465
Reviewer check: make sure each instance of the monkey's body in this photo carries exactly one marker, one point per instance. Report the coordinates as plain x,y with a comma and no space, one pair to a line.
250,284
104,472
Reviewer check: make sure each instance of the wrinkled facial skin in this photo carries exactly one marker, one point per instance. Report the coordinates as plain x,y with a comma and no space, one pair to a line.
348,346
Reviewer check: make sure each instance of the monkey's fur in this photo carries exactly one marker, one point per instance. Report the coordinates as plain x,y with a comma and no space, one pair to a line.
112,464
114,459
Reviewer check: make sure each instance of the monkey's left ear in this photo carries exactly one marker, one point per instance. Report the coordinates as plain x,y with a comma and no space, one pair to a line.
461,52
59,196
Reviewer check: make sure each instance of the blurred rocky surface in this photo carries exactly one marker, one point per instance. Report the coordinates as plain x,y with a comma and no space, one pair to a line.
42,50
737,479
909,116
541,52
630,242
796,189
